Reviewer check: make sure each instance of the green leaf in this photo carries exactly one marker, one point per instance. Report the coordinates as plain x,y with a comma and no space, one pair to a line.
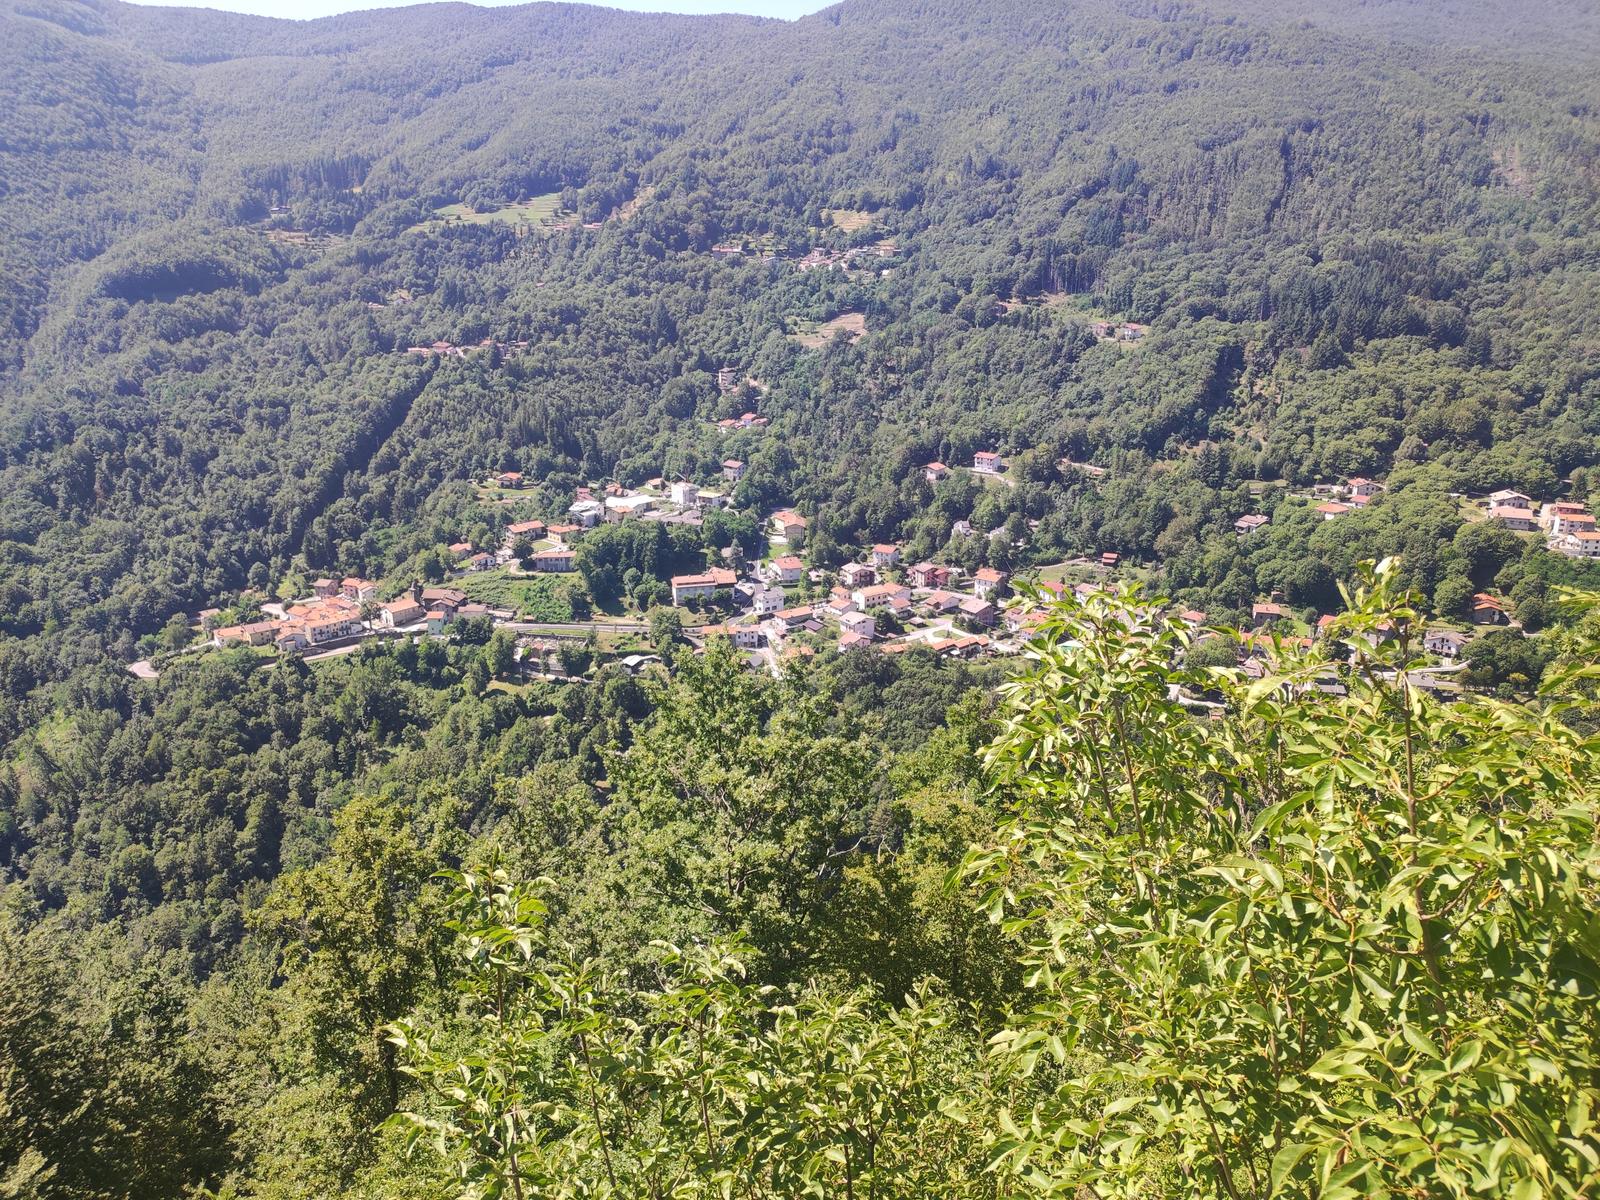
1465,1056
1284,1162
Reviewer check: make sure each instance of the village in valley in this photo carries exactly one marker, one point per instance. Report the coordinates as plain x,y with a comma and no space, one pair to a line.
773,601
778,606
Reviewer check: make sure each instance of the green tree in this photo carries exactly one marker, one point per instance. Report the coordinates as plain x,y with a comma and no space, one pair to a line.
354,936
1328,947
572,1084
176,634
500,654
666,627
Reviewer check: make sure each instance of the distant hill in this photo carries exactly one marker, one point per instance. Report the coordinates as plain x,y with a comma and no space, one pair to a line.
144,114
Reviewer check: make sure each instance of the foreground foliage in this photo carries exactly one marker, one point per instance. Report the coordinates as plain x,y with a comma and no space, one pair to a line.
1337,947
1319,945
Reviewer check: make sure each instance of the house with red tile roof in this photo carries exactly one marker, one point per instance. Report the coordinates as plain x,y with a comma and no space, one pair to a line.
858,575
786,569
927,575
1581,543
1515,517
559,561
884,594
789,525
1265,612
693,587
1488,610
987,582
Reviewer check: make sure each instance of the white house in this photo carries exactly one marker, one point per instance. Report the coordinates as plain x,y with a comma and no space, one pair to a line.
988,582
553,560
988,462
859,623
1515,517
1507,496
628,506
404,611
692,587
790,526
1585,543
887,594
856,575
586,513
684,494
786,569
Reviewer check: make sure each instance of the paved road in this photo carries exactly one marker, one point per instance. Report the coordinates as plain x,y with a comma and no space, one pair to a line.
144,670
582,627
322,654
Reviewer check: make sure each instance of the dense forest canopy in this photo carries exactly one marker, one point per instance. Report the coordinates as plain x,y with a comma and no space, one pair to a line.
280,296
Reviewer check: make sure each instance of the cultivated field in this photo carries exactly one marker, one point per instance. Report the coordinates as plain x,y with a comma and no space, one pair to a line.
813,336
849,219
537,211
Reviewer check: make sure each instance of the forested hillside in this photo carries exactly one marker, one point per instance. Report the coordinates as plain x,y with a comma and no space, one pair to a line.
283,300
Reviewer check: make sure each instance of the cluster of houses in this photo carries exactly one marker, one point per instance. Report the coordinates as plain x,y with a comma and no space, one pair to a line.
1336,500
820,258
944,614
341,610
747,420
1118,331
331,615
817,258
1568,526
1344,498
443,349
678,502
984,462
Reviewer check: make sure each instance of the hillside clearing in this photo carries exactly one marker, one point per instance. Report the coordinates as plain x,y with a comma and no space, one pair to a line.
537,211
850,219
813,336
